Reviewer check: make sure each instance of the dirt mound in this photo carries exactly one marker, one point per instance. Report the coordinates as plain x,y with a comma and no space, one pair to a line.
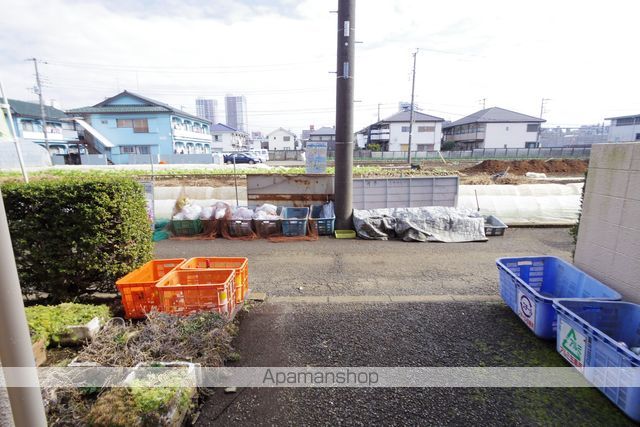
520,167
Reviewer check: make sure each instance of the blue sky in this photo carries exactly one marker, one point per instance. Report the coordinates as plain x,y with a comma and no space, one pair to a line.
279,54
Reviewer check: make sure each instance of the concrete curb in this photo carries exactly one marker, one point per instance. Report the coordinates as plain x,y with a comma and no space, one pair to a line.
346,299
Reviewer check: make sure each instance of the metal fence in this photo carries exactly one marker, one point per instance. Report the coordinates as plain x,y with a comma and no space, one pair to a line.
480,153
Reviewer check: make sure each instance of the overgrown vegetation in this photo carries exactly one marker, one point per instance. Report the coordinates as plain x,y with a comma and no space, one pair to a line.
573,231
143,403
76,235
203,338
200,338
50,322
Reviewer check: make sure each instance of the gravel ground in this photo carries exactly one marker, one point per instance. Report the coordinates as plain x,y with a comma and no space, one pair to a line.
360,267
6,419
434,334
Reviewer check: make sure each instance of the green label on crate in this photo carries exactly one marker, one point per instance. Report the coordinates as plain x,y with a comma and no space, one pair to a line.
572,345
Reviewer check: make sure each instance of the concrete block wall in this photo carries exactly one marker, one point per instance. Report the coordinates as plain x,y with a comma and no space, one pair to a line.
608,245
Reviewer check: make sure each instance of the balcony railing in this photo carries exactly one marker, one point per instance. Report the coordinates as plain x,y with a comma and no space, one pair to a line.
26,134
181,133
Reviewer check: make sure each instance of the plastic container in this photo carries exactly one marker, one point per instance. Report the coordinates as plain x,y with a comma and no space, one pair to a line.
528,285
590,334
189,291
240,227
240,265
268,227
294,221
345,234
493,226
186,227
323,226
138,290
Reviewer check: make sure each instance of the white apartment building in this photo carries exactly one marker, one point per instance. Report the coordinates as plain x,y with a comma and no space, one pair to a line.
392,133
494,128
624,129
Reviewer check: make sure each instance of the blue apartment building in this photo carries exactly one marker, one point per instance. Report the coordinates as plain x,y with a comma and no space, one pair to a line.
128,124
27,120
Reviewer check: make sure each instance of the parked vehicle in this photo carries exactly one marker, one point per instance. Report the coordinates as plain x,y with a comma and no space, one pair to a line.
262,154
241,158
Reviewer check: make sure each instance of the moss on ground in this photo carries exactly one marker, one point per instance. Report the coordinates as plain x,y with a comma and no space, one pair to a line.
516,345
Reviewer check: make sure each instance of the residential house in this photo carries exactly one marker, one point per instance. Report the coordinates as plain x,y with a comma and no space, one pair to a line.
494,128
282,139
624,129
324,134
227,138
392,133
304,135
129,124
61,131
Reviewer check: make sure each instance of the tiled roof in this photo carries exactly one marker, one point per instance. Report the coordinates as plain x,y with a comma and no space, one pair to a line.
495,115
405,116
32,109
152,106
119,109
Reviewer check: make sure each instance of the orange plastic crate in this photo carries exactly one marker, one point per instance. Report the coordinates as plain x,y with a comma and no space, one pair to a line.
240,265
138,288
190,291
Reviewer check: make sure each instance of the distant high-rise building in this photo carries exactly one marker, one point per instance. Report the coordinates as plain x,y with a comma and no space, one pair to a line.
236,110
206,109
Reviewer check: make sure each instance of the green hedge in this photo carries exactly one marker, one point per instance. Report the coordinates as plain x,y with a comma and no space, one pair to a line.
73,236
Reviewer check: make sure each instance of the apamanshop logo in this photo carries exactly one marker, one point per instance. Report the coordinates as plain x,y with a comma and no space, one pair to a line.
324,377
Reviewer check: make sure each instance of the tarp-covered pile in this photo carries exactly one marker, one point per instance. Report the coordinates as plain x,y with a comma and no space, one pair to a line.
426,224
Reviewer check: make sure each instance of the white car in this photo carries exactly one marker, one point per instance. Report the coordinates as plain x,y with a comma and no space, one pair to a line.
262,154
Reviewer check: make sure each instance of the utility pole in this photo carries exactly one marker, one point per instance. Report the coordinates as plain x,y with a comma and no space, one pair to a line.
544,100
42,113
15,344
344,113
379,111
413,89
484,103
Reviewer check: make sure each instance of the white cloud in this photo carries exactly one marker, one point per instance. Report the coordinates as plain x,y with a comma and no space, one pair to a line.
279,53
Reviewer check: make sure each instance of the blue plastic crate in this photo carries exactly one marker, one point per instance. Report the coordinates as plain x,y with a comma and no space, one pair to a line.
590,335
294,221
324,226
528,285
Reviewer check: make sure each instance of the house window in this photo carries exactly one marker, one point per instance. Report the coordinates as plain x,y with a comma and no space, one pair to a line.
533,127
286,138
216,138
124,123
531,145
625,122
426,128
405,128
135,149
104,122
637,136
127,149
28,126
140,126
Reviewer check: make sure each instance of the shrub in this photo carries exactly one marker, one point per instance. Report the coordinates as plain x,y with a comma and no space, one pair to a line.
72,236
448,146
